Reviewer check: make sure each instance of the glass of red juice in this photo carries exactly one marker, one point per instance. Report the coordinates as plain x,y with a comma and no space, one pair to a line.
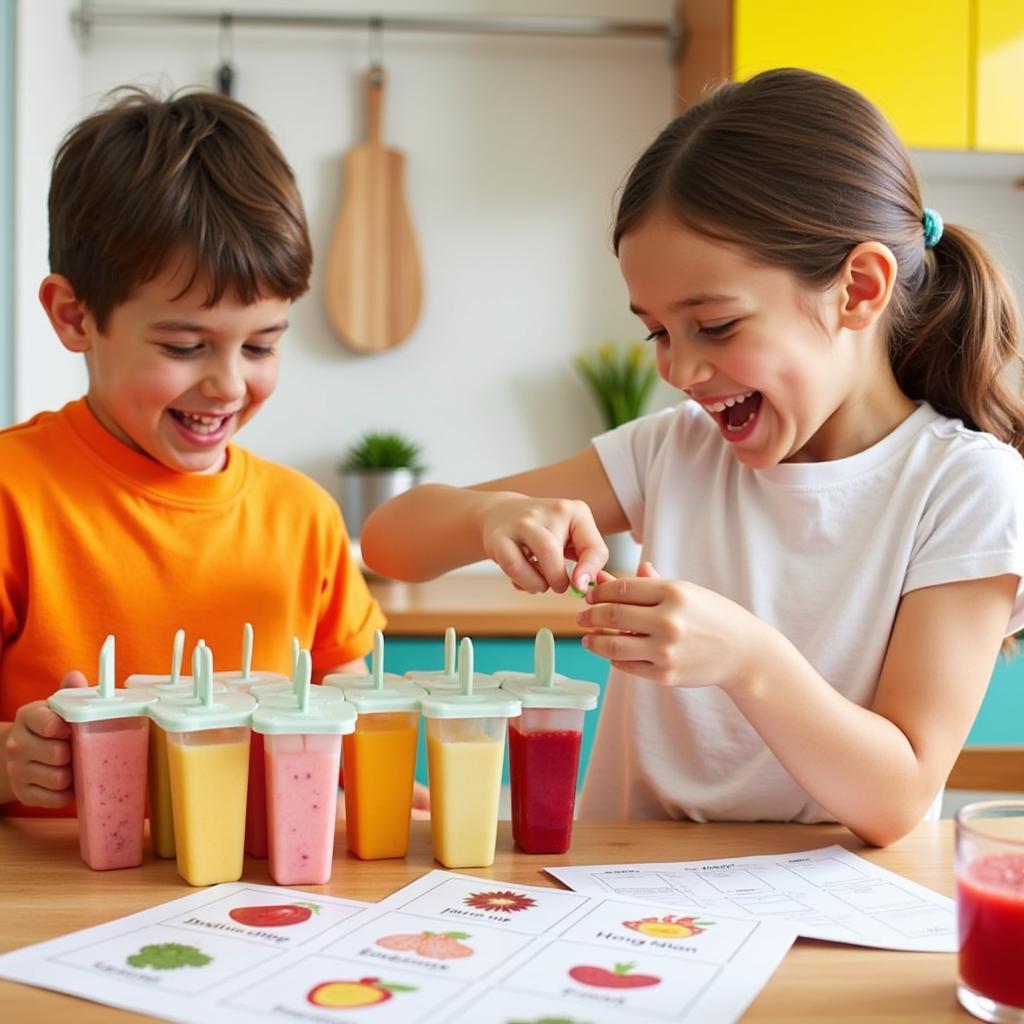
990,909
544,750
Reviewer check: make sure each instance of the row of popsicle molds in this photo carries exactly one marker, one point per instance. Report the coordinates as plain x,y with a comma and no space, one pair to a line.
214,748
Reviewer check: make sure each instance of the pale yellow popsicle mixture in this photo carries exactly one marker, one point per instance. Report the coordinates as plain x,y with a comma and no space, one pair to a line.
465,785
208,789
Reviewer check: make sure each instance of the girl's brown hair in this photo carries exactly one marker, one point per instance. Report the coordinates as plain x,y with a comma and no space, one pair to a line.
797,169
197,175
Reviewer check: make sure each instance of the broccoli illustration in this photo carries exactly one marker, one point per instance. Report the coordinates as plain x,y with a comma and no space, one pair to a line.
168,956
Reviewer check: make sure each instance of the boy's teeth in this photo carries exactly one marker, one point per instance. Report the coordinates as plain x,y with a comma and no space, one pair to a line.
199,423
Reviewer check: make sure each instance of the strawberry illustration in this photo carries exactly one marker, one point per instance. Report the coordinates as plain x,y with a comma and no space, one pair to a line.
600,977
433,945
403,943
444,946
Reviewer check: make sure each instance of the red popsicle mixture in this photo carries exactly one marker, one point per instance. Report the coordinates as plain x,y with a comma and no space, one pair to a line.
990,914
256,801
543,769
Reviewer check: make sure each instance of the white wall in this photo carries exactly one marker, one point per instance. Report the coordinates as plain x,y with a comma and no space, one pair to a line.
515,147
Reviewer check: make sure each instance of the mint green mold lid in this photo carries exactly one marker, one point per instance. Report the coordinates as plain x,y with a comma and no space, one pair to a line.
543,688
447,679
102,701
207,710
245,678
379,691
287,695
348,681
160,685
468,703
303,716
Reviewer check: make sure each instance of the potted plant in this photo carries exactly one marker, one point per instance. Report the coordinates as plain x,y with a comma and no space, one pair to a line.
621,379
376,467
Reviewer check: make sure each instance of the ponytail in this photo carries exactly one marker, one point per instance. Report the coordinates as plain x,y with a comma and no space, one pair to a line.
961,351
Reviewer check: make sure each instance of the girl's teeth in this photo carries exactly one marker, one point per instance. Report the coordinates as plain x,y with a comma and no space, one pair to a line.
722,406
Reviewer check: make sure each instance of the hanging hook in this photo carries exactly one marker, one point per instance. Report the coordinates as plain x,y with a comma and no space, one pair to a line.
226,48
376,45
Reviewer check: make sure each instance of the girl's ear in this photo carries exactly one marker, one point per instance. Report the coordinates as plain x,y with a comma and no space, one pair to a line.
866,285
67,314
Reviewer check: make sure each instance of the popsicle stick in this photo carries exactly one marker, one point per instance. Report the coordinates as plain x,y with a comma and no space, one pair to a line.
377,663
197,667
246,650
466,666
206,687
296,647
303,675
449,651
176,652
105,678
544,657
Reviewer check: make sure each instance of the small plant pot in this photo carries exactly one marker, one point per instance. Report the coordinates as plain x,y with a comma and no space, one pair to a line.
362,490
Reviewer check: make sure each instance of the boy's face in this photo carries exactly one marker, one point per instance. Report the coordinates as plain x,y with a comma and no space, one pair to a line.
176,380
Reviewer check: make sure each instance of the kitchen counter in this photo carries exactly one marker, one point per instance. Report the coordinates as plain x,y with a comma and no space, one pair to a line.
476,604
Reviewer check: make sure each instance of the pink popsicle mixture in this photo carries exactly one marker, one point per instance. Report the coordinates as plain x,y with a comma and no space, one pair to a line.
302,792
108,759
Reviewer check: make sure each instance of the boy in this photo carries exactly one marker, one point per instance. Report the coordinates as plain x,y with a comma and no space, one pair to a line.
178,242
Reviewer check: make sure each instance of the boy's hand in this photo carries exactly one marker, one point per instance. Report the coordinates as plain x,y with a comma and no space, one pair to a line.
670,631
531,538
37,752
420,801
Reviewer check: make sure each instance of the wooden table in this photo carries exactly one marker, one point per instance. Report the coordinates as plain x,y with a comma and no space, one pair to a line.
48,891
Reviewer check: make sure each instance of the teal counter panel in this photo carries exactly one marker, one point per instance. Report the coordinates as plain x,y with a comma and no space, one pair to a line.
1000,720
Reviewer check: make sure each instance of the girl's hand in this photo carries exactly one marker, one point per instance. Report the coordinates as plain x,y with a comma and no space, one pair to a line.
38,753
530,539
671,632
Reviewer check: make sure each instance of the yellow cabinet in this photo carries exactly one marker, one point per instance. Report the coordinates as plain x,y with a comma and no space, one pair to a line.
998,107
912,58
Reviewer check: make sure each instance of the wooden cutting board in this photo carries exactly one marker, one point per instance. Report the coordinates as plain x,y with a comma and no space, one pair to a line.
373,283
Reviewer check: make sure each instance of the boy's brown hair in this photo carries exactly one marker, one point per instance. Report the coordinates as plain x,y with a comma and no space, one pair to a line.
197,175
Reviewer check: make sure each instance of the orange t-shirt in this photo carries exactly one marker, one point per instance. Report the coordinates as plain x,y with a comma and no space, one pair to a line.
96,538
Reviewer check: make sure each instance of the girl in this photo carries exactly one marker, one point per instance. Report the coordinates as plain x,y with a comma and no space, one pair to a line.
836,513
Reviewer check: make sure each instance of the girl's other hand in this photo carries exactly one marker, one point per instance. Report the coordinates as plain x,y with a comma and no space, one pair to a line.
38,753
670,631
531,538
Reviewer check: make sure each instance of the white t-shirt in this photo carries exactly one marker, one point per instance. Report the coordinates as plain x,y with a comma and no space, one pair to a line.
821,551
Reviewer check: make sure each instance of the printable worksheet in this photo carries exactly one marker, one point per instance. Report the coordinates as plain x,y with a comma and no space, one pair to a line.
448,948
828,893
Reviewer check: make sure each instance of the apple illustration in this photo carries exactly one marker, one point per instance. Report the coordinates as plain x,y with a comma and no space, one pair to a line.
600,977
353,994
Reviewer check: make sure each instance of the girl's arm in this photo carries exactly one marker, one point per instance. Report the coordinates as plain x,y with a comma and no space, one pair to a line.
528,523
876,769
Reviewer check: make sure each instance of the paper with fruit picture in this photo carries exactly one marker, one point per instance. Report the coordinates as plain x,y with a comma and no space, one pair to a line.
448,948
828,894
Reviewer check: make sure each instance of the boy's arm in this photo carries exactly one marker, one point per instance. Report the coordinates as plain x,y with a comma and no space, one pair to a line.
434,528
350,668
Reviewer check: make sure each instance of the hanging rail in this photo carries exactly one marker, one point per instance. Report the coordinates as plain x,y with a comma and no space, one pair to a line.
88,16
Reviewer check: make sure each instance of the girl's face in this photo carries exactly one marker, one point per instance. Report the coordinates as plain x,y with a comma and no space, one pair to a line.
176,380
763,354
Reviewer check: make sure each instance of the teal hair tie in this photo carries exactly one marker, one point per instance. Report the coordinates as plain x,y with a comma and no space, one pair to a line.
932,224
